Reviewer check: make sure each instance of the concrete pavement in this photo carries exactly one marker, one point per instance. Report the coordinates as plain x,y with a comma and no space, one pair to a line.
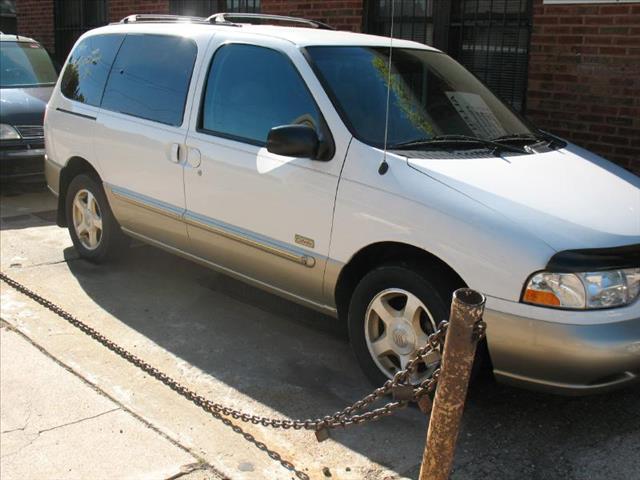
55,425
254,351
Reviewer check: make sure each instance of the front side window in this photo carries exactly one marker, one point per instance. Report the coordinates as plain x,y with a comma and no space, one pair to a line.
431,95
86,72
150,78
25,64
252,89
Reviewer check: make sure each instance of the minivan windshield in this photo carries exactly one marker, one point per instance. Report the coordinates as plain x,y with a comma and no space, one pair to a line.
25,64
432,96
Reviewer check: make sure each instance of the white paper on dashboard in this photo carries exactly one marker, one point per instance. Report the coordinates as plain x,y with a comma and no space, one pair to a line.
476,114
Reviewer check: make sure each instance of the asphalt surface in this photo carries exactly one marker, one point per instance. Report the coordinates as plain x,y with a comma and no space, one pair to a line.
262,353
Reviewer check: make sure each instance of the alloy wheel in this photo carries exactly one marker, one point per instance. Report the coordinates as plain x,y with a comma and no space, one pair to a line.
87,219
397,324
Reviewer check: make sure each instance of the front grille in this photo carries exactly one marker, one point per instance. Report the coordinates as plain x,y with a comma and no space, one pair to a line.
30,131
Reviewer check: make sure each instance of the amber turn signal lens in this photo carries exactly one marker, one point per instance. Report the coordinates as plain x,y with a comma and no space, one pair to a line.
541,298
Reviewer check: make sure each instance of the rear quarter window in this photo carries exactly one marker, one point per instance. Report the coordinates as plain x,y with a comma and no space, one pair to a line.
150,78
88,67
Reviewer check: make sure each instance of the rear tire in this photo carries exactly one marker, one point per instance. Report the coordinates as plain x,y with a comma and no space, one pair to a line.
95,233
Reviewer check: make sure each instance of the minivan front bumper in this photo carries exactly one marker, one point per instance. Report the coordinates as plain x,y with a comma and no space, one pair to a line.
596,351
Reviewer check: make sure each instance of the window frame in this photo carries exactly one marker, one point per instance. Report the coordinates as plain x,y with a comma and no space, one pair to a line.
324,131
66,65
189,82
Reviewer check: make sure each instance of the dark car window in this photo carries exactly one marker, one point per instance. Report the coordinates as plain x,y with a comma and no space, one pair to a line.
25,64
88,67
430,94
150,78
252,89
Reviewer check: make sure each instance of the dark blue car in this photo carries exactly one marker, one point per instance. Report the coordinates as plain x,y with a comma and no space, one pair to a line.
27,78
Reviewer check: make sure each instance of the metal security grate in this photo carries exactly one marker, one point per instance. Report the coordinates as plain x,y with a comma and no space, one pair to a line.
413,19
489,37
8,18
74,17
204,8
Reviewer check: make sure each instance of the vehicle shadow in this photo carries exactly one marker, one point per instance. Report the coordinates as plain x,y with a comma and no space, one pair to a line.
299,363
19,222
26,205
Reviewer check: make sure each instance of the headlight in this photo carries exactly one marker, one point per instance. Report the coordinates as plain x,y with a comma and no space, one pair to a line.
7,132
588,290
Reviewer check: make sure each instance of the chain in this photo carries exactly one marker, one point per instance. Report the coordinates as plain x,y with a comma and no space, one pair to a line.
402,390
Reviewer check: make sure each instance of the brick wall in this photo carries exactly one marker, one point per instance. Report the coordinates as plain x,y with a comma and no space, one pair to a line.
343,14
118,9
35,17
35,20
584,77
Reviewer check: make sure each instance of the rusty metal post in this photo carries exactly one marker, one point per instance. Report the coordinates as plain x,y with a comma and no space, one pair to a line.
457,359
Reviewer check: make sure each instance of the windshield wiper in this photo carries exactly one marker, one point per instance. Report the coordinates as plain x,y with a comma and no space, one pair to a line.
521,136
529,137
494,145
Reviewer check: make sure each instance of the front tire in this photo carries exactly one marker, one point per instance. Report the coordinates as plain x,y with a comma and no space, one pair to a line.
392,311
95,233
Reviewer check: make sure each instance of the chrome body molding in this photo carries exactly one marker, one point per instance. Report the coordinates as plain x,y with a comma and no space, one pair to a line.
268,263
249,238
327,309
214,226
146,202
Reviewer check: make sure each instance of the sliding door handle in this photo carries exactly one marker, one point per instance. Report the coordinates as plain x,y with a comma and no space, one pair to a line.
174,154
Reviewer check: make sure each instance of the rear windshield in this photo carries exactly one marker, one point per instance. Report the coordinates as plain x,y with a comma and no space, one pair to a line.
24,64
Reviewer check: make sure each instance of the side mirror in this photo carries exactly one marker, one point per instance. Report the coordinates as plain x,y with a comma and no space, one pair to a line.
293,141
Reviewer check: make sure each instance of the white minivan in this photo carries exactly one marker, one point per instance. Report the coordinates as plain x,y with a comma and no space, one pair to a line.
364,180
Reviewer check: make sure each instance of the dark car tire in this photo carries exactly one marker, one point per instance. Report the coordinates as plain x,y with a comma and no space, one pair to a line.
111,242
433,290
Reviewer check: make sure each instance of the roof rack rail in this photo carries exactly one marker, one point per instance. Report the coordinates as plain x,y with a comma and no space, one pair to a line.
153,18
224,18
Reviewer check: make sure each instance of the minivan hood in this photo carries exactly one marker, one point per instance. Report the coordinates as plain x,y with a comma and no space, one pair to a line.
568,198
24,106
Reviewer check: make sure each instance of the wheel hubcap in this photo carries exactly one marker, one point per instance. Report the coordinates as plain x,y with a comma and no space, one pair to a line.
397,324
87,219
